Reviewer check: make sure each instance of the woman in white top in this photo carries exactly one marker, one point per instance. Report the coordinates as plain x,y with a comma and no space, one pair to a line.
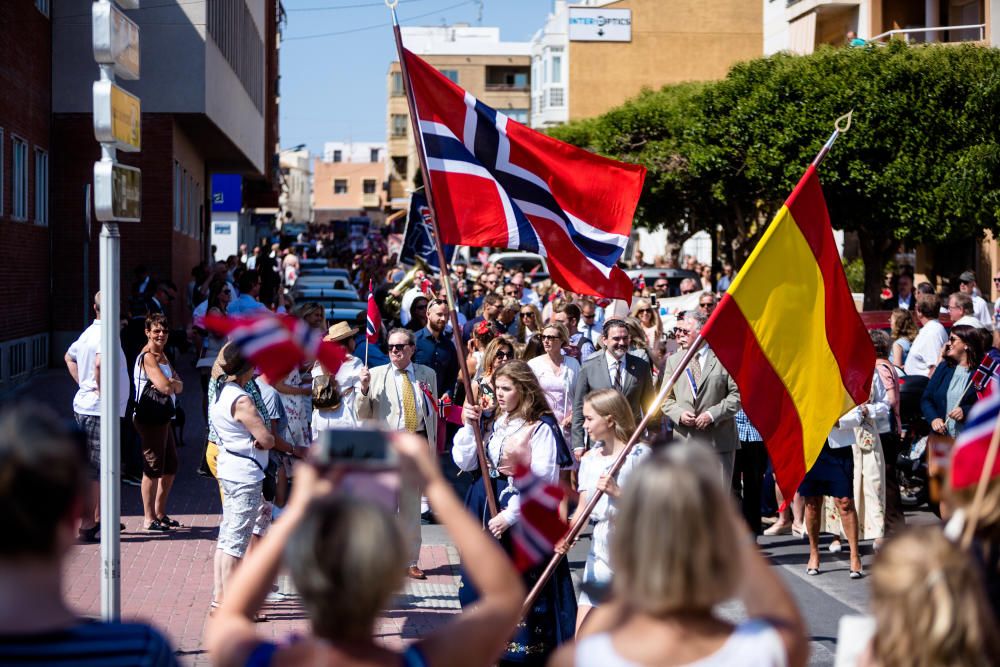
348,379
243,443
609,422
678,549
522,430
159,451
557,374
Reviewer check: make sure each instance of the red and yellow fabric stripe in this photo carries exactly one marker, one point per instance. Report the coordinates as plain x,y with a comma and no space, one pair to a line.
789,334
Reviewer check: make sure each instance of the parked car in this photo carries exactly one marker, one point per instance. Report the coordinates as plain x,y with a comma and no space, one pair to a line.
674,277
344,314
532,264
328,286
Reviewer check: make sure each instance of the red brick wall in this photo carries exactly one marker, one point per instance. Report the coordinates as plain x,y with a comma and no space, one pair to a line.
25,111
151,242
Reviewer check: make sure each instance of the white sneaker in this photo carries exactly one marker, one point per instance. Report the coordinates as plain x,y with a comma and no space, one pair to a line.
835,547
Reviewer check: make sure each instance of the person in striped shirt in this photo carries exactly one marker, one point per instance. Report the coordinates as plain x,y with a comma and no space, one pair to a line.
43,484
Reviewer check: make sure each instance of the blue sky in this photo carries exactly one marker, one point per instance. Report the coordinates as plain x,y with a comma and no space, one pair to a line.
333,87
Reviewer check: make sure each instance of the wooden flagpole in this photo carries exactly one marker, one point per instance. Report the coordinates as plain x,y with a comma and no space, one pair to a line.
484,468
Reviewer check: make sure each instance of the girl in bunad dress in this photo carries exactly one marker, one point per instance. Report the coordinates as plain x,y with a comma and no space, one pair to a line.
522,429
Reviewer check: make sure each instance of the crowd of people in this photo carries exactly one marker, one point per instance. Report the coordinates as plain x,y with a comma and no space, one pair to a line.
557,383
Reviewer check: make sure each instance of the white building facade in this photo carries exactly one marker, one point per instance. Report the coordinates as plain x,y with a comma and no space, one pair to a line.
353,151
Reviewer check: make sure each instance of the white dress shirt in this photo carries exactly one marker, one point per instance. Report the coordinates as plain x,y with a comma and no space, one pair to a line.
543,455
418,395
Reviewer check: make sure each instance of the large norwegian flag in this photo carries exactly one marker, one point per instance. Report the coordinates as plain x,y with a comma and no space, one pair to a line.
497,183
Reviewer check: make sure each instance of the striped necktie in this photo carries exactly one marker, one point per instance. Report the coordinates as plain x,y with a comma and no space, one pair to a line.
618,374
409,404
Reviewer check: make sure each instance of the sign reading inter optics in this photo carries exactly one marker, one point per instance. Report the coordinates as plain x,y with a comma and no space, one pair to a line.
600,25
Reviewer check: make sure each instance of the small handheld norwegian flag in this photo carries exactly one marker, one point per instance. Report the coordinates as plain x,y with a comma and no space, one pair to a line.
277,343
374,323
535,536
985,373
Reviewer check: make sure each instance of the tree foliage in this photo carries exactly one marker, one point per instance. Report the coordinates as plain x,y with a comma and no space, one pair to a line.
921,162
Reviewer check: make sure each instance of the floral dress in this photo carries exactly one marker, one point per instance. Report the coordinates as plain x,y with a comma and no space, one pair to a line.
298,409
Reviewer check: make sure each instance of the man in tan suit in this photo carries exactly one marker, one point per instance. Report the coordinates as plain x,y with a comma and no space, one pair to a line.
704,402
402,396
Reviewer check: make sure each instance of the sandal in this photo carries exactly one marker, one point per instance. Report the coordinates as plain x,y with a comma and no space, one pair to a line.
156,527
170,523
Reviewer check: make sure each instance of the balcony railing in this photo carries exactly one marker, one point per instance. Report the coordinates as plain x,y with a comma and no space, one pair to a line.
507,87
906,33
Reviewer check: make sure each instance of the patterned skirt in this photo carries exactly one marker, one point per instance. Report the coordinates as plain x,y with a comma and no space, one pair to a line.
552,619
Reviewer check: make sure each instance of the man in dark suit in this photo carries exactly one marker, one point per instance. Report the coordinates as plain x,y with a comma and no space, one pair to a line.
903,296
705,400
613,368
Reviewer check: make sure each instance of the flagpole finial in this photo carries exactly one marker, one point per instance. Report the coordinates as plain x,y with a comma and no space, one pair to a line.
392,4
843,124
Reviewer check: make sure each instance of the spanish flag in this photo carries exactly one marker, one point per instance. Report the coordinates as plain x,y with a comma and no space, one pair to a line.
789,334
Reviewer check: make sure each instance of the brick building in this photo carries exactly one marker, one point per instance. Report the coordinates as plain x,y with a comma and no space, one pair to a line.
25,148
208,87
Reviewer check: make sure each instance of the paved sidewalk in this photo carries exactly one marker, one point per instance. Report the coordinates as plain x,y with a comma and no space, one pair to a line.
166,579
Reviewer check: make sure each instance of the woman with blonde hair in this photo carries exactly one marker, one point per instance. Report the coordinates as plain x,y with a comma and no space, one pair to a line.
929,607
529,323
678,549
347,557
904,331
521,431
557,374
649,319
608,420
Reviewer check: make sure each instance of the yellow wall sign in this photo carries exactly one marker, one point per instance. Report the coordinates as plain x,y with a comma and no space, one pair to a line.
126,123
117,117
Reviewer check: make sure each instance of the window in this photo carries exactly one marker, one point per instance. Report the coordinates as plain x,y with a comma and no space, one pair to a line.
177,196
520,115
399,121
369,185
19,205
338,156
373,155
41,187
556,69
43,6
1,173
399,167
397,84
556,97
452,74
340,186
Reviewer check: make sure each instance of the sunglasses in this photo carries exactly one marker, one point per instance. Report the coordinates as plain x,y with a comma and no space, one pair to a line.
503,354
704,305
398,347
996,280
551,338
527,313
644,310
226,291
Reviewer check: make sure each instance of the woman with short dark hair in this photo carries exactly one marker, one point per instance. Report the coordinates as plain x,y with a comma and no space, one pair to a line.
159,450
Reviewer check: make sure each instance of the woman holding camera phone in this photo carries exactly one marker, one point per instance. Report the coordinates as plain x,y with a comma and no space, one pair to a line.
347,558
522,430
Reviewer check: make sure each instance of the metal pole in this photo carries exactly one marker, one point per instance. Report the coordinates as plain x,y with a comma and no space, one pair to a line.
484,469
840,126
581,519
110,427
86,253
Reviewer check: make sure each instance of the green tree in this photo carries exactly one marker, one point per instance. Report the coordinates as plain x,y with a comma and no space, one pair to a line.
921,162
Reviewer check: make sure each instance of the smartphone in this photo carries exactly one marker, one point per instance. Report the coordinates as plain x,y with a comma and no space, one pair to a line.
355,449
369,462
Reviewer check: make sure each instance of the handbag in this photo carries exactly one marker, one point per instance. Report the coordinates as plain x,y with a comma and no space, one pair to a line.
326,393
152,406
865,435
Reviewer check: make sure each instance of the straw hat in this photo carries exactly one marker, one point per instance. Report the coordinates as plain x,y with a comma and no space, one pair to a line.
340,331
